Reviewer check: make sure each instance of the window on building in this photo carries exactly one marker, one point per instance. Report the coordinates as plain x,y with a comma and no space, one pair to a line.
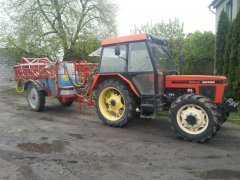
229,9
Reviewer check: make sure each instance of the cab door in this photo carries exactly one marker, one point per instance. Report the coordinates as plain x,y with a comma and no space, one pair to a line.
140,68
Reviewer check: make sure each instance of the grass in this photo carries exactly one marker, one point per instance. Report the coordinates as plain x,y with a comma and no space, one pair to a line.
234,118
163,113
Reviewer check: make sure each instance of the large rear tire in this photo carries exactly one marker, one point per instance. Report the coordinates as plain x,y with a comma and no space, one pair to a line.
194,118
115,103
36,98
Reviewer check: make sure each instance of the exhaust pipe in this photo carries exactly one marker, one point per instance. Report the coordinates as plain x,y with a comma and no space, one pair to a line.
181,63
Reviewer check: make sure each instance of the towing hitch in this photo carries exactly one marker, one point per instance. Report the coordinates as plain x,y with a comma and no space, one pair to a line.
232,105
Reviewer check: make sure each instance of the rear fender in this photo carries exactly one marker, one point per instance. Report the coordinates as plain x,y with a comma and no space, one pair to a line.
38,85
99,78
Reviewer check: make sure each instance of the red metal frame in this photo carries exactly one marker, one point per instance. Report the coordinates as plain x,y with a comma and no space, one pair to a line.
85,70
34,68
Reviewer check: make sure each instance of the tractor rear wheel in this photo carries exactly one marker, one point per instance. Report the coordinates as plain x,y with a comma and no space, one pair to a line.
36,98
194,118
115,103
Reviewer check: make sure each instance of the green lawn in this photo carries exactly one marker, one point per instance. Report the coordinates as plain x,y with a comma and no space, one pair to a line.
234,118
163,113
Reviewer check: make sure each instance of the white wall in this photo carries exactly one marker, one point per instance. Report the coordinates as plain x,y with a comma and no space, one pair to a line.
236,6
6,70
223,5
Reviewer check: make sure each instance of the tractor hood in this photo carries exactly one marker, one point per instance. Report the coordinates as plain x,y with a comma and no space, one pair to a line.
172,80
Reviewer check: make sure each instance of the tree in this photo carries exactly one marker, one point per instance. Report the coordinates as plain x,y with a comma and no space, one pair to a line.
198,53
227,50
51,27
234,63
237,81
222,30
85,46
172,31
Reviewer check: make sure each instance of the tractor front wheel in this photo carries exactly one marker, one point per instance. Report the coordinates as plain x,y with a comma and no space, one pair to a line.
194,118
115,103
36,98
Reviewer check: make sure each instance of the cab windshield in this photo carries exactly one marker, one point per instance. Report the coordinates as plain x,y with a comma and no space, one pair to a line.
162,57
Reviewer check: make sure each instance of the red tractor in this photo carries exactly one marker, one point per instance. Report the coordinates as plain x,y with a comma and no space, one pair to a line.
136,73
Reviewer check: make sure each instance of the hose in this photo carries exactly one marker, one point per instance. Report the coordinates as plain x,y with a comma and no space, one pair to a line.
20,89
80,88
71,80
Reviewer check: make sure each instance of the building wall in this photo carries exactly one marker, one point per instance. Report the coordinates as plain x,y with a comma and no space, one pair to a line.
236,7
219,9
6,70
223,6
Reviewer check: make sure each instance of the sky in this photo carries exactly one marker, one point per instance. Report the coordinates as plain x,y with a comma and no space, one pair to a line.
193,13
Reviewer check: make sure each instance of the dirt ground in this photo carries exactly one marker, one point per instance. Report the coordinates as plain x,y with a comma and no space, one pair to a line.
62,144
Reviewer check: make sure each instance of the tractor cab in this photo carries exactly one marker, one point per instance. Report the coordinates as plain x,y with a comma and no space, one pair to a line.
143,60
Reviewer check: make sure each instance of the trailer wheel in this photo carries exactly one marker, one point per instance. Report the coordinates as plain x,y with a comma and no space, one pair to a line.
36,98
194,118
65,104
115,103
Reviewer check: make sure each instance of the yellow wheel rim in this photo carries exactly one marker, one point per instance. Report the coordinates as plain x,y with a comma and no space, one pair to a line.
111,104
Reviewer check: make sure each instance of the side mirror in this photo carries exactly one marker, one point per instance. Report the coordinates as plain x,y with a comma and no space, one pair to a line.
117,51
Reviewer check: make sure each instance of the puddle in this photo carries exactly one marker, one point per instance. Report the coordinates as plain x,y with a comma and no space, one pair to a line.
46,118
44,138
78,136
74,162
55,146
217,174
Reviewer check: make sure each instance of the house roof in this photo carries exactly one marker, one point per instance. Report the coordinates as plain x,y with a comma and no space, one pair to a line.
215,3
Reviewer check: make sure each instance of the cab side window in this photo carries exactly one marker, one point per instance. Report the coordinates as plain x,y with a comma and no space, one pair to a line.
113,63
139,59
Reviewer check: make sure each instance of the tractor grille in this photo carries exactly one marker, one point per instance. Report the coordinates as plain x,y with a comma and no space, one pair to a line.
208,91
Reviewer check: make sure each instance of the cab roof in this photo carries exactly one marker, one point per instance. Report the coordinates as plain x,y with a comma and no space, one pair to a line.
132,38
122,39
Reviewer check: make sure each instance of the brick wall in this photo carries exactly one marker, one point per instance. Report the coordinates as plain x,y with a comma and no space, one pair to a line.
6,70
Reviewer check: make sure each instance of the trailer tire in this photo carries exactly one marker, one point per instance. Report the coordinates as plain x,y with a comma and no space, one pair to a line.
35,98
194,118
115,103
